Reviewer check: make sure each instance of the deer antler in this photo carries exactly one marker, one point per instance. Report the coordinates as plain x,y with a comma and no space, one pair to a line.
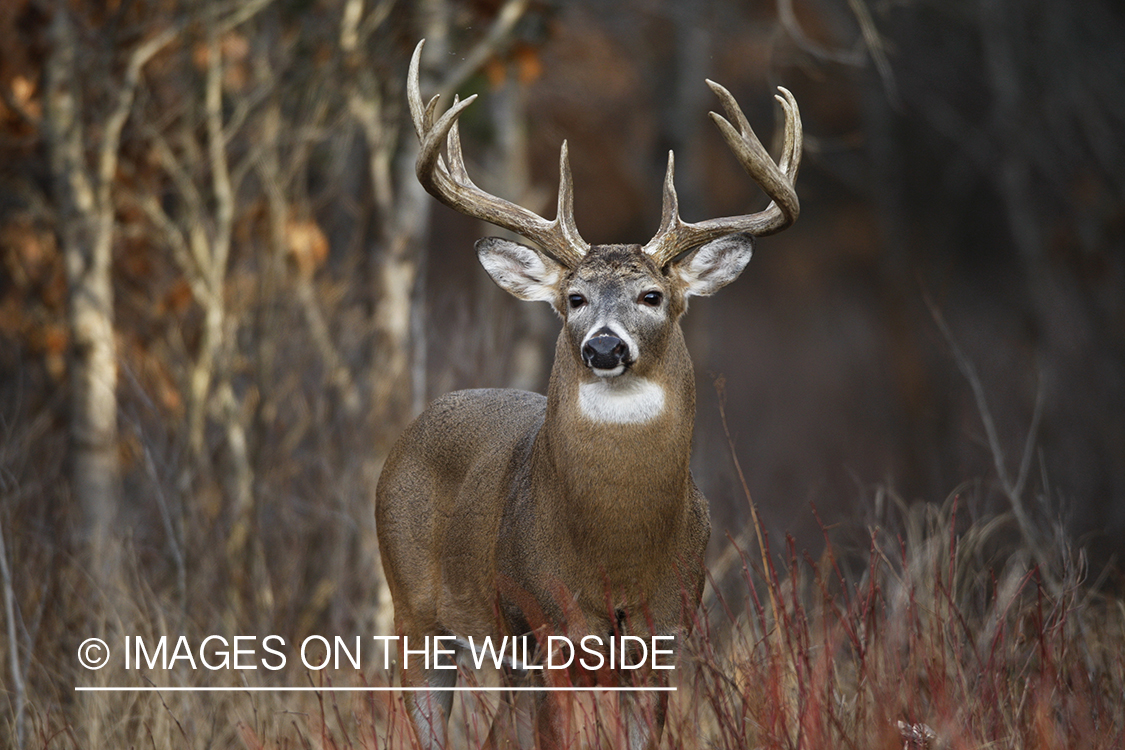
447,179
676,235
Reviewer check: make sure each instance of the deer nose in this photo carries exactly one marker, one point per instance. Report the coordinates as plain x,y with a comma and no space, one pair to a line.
604,351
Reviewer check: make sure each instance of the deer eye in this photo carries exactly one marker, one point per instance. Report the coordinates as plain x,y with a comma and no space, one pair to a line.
576,301
652,299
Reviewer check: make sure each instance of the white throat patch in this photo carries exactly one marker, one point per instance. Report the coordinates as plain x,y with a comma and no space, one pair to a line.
618,401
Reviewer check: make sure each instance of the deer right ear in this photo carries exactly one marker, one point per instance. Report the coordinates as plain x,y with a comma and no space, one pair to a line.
519,269
714,265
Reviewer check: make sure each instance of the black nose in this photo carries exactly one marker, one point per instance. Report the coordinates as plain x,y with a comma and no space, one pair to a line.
604,351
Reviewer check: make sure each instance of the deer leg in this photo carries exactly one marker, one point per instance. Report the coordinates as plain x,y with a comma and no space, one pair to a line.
512,726
551,717
643,715
429,709
529,718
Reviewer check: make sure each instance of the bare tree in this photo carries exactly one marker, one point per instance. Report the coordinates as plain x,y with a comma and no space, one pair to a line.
84,198
200,235
402,212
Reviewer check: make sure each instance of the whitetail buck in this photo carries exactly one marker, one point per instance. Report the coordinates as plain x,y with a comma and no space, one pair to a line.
502,512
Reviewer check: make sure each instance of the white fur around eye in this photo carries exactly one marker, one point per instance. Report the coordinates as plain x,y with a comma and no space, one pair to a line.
616,402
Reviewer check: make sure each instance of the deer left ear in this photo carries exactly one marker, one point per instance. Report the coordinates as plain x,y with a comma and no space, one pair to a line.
714,265
522,271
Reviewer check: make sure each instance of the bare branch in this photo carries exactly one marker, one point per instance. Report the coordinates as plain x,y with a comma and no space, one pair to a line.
1012,490
111,140
497,33
1032,436
267,164
875,47
14,104
789,20
13,642
349,25
373,21
217,152
240,12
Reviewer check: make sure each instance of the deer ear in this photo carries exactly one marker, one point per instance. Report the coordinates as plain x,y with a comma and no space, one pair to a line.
714,265
526,273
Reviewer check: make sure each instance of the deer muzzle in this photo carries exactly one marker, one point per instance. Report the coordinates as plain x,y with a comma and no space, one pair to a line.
605,353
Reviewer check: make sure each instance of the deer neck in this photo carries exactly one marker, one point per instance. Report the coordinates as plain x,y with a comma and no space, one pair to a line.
618,449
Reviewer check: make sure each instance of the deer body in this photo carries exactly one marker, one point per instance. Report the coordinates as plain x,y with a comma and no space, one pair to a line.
502,512
545,492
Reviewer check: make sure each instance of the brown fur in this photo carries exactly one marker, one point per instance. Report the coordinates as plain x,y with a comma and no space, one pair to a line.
499,511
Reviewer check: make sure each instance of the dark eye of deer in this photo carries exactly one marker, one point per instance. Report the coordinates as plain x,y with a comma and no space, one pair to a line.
652,299
576,301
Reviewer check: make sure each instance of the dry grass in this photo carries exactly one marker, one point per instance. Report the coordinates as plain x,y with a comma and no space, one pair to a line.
936,644
944,638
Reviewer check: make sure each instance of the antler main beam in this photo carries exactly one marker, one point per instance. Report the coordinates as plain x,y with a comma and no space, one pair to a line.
675,235
446,178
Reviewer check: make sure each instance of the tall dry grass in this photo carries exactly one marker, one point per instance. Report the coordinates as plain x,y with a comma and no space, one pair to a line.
947,636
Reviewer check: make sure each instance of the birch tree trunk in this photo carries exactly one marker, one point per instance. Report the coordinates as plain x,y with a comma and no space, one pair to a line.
81,185
85,229
402,208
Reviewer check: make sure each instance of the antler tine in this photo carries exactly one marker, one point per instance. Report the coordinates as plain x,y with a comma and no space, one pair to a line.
675,235
791,152
430,167
421,116
448,180
456,161
564,214
670,210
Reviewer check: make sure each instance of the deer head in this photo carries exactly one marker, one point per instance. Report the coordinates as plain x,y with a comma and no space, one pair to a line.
651,286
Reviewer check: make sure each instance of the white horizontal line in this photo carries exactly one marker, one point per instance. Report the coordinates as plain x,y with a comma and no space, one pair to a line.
457,689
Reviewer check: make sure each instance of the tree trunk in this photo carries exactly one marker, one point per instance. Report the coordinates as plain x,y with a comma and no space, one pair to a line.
86,234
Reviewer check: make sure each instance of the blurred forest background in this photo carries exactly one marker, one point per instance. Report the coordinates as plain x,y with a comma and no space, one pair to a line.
223,294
